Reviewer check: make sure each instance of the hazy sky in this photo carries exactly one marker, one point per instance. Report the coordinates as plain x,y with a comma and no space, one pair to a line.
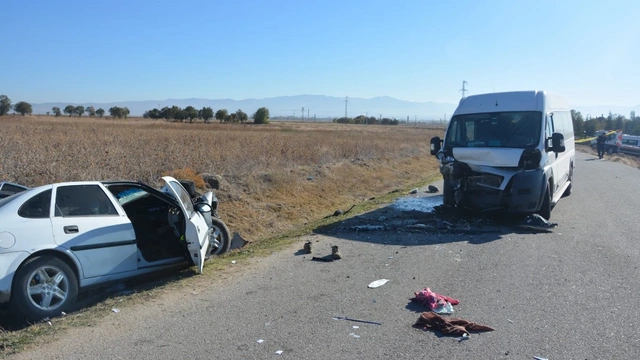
118,50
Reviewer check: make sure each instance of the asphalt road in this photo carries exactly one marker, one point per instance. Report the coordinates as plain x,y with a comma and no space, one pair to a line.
569,294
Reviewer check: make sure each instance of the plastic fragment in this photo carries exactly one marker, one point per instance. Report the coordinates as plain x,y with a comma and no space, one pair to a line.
378,283
233,261
279,352
115,310
260,341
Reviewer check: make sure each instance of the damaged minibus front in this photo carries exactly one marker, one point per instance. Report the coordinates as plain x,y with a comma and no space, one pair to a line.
509,151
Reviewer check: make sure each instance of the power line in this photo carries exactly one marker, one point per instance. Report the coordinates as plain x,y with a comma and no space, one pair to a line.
464,90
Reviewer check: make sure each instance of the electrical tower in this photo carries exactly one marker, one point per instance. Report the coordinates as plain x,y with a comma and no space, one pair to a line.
464,90
346,101
302,114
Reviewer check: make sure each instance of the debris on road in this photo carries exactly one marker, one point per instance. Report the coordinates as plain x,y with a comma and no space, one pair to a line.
115,310
539,358
307,247
449,326
537,223
233,261
432,189
339,212
335,253
279,352
440,304
362,321
354,335
378,283
463,337
260,341
413,191
368,227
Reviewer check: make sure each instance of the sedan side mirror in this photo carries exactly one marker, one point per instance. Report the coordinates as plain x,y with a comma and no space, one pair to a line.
435,145
557,142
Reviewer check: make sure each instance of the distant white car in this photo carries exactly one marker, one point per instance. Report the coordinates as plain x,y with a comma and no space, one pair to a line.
57,239
8,189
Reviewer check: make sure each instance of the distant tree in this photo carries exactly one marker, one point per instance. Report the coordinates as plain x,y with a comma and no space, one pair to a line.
618,122
590,126
242,116
152,114
5,105
221,115
48,113
181,115
206,114
100,112
56,111
372,120
192,113
116,112
261,116
125,112
632,116
578,122
233,118
69,109
23,108
91,111
79,110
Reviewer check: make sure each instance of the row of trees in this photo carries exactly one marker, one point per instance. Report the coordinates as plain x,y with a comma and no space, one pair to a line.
361,119
176,113
21,107
589,126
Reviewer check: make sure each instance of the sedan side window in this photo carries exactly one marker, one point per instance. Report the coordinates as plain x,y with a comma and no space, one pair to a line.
83,200
38,207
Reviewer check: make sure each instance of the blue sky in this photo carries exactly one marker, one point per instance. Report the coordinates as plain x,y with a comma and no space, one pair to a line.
119,50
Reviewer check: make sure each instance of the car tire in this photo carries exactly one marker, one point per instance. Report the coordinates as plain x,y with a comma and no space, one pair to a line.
224,237
545,208
447,193
35,297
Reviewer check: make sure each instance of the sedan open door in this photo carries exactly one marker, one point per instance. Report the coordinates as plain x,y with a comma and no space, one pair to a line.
196,229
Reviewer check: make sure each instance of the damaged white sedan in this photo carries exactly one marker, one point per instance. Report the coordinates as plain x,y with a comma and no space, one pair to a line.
60,238
510,151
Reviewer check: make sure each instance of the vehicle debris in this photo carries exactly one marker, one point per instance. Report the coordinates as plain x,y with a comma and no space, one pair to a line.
539,358
413,191
237,242
354,335
362,321
335,253
279,352
367,227
449,326
260,341
377,283
307,247
537,223
115,310
432,189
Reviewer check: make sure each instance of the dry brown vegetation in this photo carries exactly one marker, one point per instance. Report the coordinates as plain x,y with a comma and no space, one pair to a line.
626,159
275,176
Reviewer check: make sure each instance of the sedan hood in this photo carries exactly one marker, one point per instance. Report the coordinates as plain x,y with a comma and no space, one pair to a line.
496,157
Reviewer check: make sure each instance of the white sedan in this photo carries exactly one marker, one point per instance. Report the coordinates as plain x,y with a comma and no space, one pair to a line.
57,239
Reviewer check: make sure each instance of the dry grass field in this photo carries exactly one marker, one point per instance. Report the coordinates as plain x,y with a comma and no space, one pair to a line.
275,176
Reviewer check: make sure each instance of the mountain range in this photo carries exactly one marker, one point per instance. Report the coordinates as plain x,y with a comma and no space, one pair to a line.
319,106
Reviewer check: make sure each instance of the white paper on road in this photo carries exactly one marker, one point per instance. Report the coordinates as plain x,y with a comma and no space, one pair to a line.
378,283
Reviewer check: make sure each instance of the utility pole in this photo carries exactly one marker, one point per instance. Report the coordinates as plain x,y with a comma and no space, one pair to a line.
307,114
415,119
302,114
346,100
464,90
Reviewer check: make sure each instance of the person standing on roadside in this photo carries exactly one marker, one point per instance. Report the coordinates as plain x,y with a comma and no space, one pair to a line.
600,143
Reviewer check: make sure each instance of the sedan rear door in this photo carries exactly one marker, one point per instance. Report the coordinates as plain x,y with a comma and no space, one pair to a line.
94,229
196,230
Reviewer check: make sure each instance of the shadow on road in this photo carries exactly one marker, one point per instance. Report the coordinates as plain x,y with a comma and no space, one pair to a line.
424,216
91,297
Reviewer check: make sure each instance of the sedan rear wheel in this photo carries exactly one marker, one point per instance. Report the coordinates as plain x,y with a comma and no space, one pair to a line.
43,287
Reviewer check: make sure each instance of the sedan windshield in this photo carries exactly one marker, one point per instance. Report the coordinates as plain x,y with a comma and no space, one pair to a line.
499,129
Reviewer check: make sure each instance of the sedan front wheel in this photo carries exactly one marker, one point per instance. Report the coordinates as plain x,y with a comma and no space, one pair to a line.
43,287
